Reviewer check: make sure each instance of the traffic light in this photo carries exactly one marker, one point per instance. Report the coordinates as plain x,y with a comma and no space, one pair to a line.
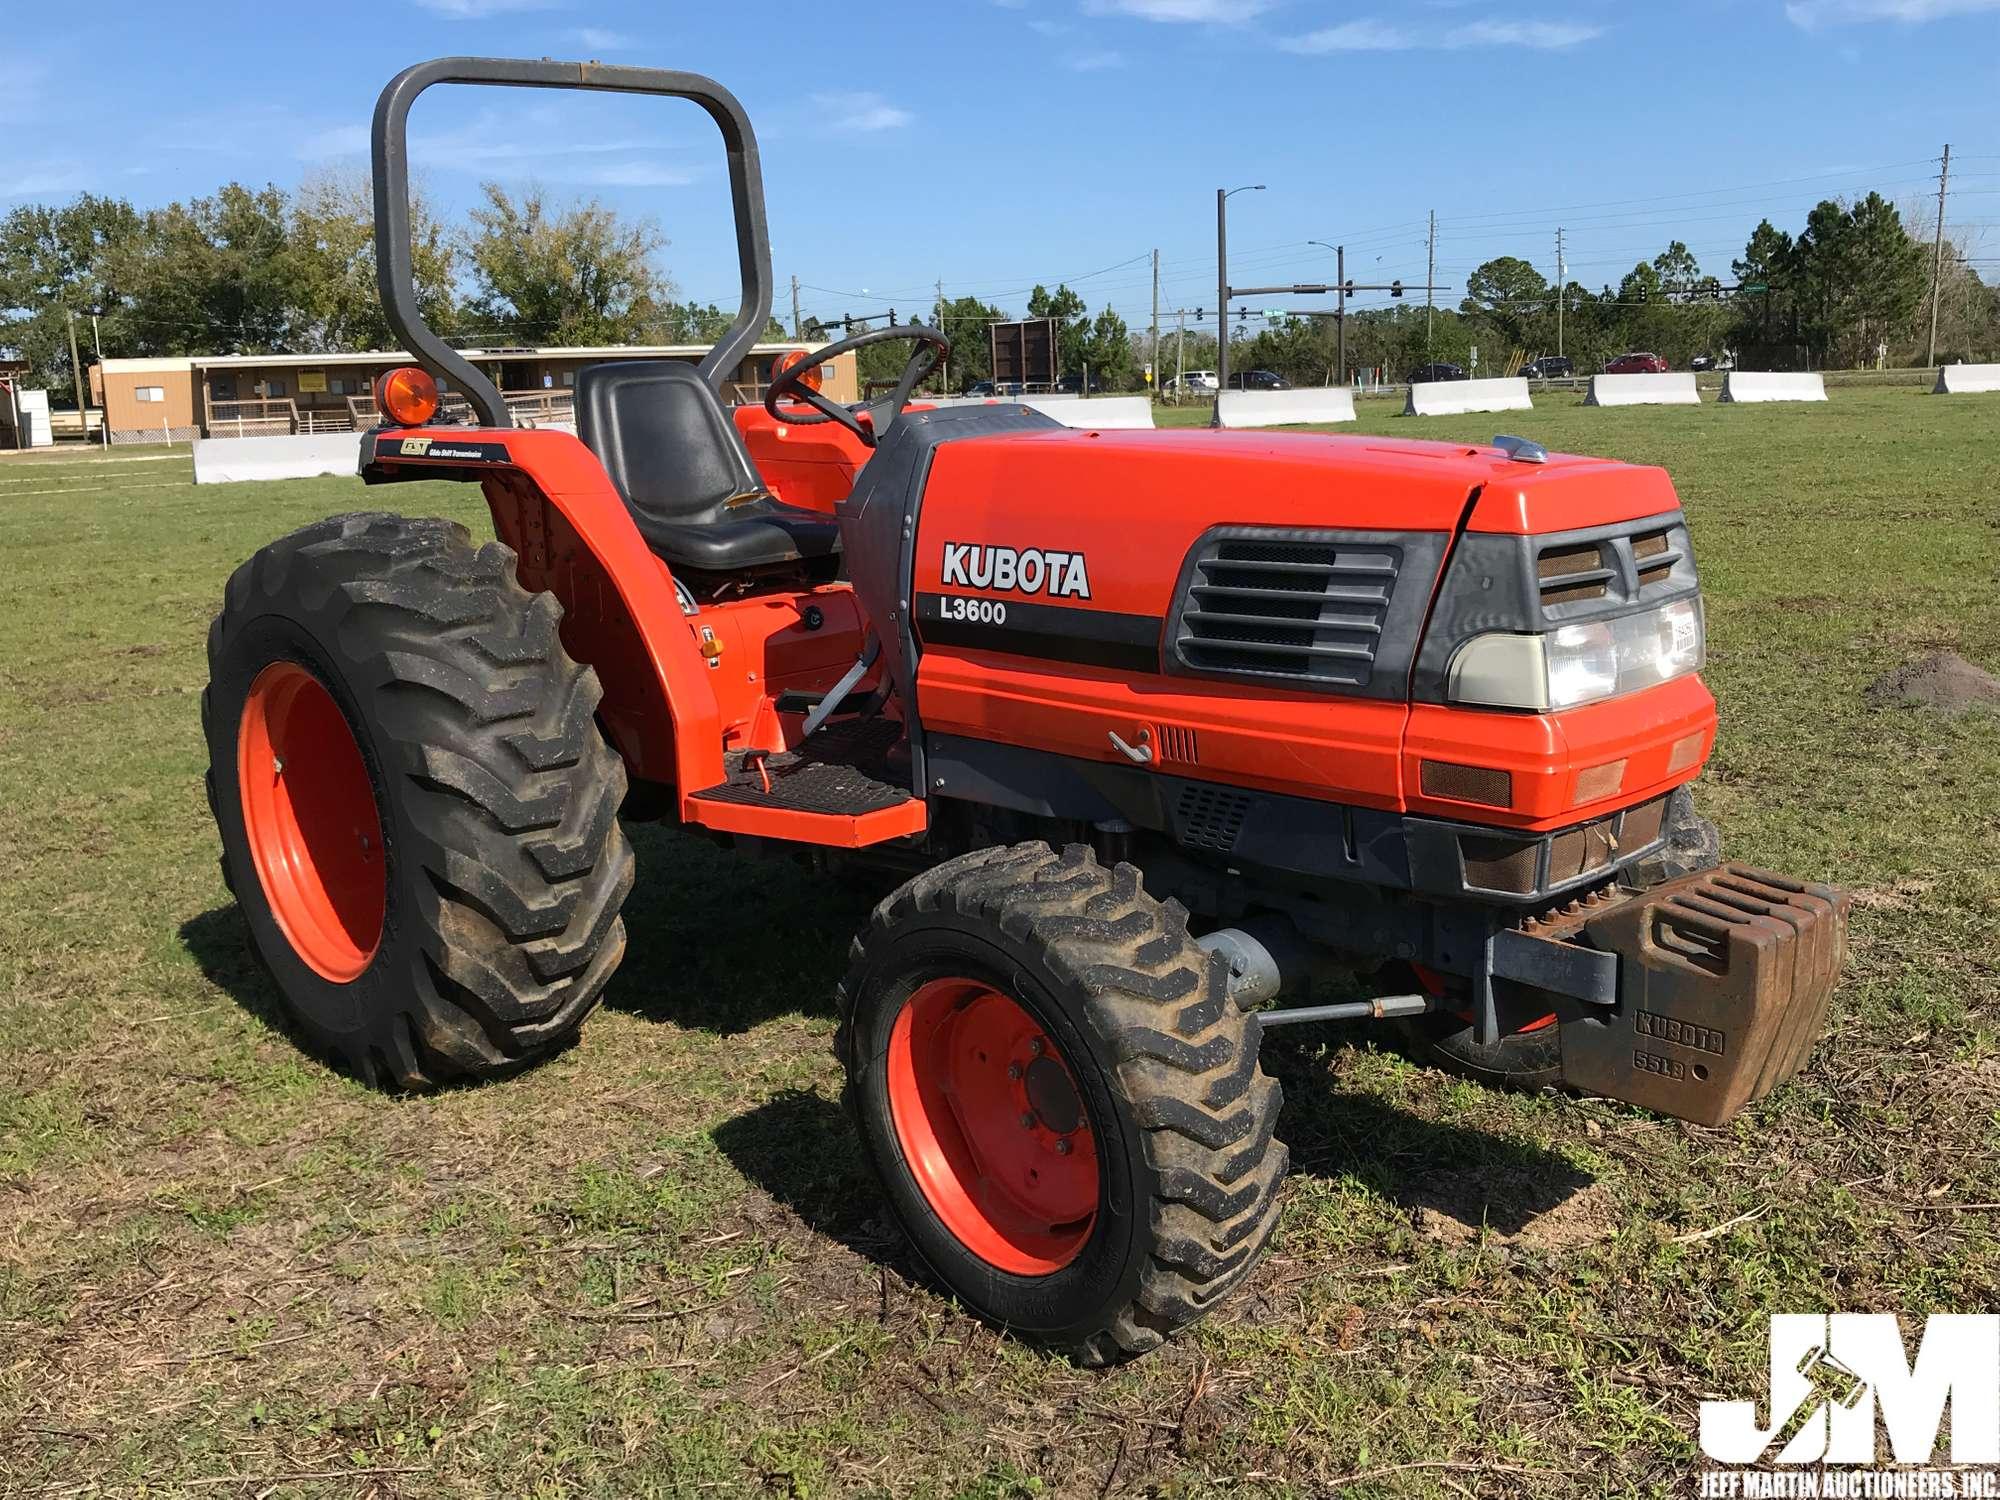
1348,289
1395,289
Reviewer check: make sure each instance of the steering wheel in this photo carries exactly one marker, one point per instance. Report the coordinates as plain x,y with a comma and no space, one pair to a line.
791,381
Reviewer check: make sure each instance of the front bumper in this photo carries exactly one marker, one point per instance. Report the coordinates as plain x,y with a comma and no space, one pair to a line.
1723,981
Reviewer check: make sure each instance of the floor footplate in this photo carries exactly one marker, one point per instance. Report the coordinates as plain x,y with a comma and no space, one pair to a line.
844,771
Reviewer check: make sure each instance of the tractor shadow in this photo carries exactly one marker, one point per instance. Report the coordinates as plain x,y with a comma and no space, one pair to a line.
1451,1182
219,943
802,1149
721,942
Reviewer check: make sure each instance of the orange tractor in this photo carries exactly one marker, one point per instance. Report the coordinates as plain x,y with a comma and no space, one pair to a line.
1152,726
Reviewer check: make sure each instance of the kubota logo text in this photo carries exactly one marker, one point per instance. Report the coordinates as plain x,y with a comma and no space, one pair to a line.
1842,1382
1032,570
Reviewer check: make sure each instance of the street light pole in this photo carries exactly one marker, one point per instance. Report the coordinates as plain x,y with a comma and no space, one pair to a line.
1340,317
1222,197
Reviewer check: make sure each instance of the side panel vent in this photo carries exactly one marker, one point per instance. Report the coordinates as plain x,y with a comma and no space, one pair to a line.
1178,743
1287,606
1211,817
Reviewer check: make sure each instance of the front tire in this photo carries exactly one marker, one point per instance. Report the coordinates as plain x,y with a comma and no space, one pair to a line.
1014,1000
418,812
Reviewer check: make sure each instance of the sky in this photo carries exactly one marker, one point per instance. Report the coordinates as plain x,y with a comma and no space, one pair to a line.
994,144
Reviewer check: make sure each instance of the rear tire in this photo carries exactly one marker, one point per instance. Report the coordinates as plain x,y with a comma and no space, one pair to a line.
478,924
1177,1114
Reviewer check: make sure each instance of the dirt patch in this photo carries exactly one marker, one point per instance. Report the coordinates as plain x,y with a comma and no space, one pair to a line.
1943,680
1458,1209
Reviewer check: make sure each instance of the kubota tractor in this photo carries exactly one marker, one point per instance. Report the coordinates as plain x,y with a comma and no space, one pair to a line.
1154,724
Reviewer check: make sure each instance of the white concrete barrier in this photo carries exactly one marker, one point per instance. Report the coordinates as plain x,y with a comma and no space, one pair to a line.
1966,380
1286,408
1673,389
286,456
1772,385
1101,412
1443,398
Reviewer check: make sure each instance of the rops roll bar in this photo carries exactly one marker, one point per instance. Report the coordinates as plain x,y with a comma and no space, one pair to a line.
390,146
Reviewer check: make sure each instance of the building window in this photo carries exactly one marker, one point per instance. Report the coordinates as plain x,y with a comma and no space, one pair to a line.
569,377
150,393
223,387
339,386
274,390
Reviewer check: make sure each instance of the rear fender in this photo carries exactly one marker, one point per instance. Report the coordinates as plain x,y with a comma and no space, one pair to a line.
555,506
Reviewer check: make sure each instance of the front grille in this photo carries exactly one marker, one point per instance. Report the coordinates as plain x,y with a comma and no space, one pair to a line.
1512,865
1570,573
1654,556
1211,817
1306,609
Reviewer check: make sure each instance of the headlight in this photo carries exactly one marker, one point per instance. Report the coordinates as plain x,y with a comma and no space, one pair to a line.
1579,663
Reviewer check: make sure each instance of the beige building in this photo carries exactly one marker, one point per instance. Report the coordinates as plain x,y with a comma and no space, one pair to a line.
223,395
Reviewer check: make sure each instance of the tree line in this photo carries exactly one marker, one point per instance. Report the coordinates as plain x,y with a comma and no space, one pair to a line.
266,271
1849,290
249,271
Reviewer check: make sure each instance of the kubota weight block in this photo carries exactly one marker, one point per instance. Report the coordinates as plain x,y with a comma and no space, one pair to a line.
1723,982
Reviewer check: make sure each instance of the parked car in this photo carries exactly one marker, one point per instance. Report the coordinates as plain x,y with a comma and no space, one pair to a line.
1194,380
1549,367
991,388
1436,371
981,388
1258,380
1703,362
1072,385
1636,364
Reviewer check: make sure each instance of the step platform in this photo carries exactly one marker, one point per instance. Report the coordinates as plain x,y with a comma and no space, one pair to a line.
840,788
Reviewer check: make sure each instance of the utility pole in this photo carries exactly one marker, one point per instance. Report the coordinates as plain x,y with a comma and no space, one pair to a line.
944,363
1430,276
1340,318
1221,298
797,333
1561,282
1153,358
1937,255
76,369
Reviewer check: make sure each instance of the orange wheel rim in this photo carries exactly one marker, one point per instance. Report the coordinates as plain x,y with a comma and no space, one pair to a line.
994,1127
310,818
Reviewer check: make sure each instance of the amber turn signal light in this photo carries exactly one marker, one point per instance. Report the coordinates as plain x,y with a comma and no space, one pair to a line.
406,396
797,356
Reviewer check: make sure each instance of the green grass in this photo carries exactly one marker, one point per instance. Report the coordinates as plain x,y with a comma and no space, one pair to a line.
657,1264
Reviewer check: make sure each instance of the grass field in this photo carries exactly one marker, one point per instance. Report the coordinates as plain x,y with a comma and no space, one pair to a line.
658,1265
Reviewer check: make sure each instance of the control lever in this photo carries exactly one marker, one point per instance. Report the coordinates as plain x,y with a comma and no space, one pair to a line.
1141,753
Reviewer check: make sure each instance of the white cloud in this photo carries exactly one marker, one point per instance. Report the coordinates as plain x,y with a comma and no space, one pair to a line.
1545,36
481,10
1093,62
641,174
1380,36
44,179
1043,27
1352,36
862,113
1813,14
602,39
1225,12
341,140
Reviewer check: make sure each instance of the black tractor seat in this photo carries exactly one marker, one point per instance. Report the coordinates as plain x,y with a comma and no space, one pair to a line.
681,467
